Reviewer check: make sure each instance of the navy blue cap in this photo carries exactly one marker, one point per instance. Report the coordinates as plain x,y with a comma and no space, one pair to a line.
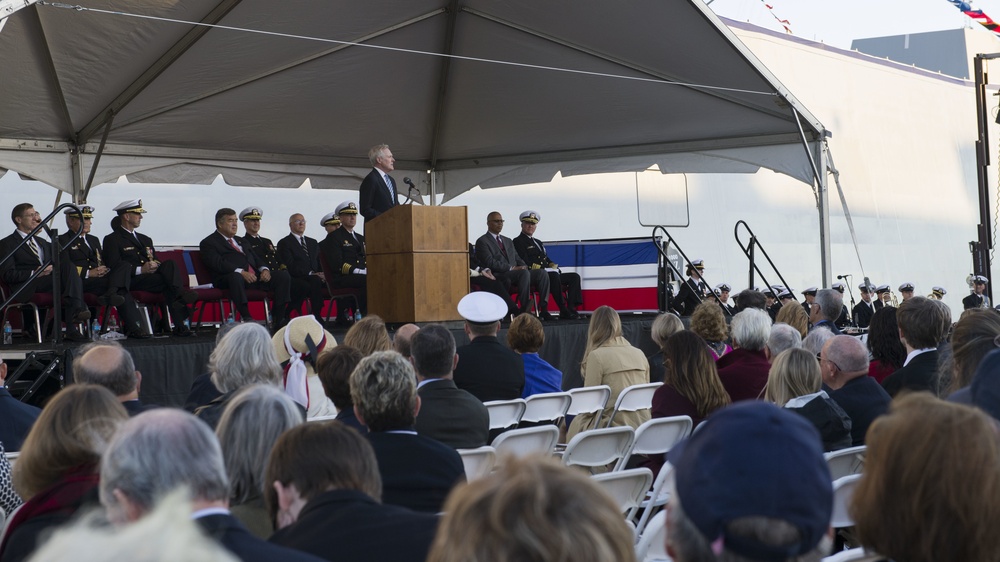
753,459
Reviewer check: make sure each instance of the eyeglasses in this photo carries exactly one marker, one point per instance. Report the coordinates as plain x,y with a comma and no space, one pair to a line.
497,220
31,215
298,222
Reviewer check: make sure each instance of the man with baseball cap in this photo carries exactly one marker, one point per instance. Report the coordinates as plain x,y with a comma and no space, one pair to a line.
752,484
532,251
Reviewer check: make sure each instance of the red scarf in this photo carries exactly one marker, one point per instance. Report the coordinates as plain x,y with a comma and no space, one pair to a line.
64,497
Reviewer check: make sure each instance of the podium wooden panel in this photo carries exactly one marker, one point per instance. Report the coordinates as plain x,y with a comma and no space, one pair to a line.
418,263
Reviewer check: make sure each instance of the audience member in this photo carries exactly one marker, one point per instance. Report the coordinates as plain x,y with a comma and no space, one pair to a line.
708,322
526,336
844,368
297,346
325,494
108,364
827,309
975,336
816,339
417,472
743,371
334,368
985,388
795,382
783,337
9,500
16,417
401,339
487,369
751,484
930,490
447,413
163,450
610,359
750,298
243,357
794,315
921,329
691,386
664,326
251,422
887,352
203,390
368,336
532,510
56,472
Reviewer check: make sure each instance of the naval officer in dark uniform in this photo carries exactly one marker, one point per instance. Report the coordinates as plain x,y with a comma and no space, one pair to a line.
864,310
344,251
532,251
692,291
262,247
978,298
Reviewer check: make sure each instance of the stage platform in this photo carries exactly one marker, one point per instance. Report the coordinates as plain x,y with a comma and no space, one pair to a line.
168,365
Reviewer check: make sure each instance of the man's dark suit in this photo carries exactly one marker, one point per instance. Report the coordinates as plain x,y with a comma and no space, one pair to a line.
451,415
863,313
135,407
375,198
863,399
18,269
417,472
502,261
349,526
86,254
483,283
302,265
344,252
488,370
222,261
235,538
532,251
921,373
16,419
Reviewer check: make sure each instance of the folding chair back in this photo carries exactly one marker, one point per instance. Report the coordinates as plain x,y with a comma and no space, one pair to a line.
521,442
589,399
843,490
321,418
657,498
598,447
845,461
12,457
478,462
551,406
505,413
854,555
634,398
652,544
627,487
659,435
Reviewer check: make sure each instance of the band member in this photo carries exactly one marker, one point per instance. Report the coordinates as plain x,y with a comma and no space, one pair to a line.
906,291
883,297
844,320
722,291
810,296
937,293
864,310
978,298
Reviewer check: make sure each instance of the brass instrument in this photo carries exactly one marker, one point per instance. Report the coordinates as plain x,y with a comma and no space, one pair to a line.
895,301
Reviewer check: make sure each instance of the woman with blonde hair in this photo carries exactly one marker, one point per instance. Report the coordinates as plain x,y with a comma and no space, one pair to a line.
794,315
665,325
709,323
368,336
930,490
610,359
795,382
57,471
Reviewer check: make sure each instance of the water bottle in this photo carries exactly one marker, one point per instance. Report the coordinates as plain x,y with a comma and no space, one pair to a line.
113,325
95,330
8,333
232,318
357,316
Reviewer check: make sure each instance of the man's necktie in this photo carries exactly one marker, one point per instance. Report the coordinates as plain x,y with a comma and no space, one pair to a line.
232,242
34,249
392,188
502,249
302,241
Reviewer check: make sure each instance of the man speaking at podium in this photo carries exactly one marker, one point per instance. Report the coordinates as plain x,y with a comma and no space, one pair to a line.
378,190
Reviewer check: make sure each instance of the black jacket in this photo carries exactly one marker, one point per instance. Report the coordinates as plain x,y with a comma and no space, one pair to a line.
344,252
532,254
221,259
417,472
299,262
921,373
121,245
488,370
235,538
452,416
374,198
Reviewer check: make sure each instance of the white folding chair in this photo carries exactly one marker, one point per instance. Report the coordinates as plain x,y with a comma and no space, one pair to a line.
652,546
657,436
634,398
505,413
598,447
589,399
321,418
522,442
854,555
657,498
478,462
845,461
546,407
627,487
843,490
12,457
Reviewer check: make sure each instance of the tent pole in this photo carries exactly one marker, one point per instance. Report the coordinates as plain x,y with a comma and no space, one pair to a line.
76,162
434,176
823,198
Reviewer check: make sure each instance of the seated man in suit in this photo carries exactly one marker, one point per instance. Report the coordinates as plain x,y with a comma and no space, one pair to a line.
487,369
300,254
237,268
184,455
323,489
497,253
344,251
921,329
482,278
417,472
111,285
532,251
136,250
447,413
16,417
843,365
29,258
108,364
378,189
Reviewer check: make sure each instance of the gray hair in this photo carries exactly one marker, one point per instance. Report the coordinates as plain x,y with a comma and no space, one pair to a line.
831,303
848,353
243,357
816,339
384,390
665,325
750,329
158,452
376,151
783,336
250,424
94,365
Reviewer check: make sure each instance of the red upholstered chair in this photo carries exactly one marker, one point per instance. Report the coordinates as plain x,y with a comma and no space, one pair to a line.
220,296
337,294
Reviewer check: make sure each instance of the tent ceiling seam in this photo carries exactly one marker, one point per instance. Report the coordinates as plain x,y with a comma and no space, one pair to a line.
50,67
443,79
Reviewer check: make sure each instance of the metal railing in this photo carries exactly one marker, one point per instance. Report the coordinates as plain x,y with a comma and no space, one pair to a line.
667,241
750,250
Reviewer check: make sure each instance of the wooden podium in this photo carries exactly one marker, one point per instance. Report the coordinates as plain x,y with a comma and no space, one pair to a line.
418,263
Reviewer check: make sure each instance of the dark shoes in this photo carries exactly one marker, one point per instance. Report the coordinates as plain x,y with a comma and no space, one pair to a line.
78,315
569,314
182,331
111,300
546,317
